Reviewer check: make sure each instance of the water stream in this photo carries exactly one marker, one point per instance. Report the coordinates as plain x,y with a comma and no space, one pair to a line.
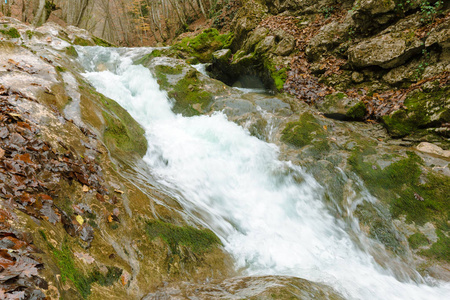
269,213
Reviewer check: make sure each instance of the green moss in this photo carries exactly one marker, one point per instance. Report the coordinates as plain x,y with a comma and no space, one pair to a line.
29,34
101,42
203,45
66,264
302,132
65,261
169,69
108,279
417,239
71,51
278,76
82,42
439,250
12,33
357,112
419,107
198,240
60,69
121,129
190,98
421,198
144,60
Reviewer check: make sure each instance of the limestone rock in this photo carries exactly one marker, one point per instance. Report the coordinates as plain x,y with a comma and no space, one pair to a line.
329,36
387,51
434,149
357,77
223,55
247,18
266,45
374,7
255,37
440,35
286,46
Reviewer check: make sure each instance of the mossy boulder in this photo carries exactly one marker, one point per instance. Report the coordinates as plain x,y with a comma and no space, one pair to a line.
197,240
121,130
302,132
190,98
422,110
203,45
341,107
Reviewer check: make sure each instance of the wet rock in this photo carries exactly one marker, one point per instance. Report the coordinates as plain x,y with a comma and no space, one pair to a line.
264,287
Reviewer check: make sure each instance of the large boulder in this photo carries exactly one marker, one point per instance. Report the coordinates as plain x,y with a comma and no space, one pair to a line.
424,111
387,50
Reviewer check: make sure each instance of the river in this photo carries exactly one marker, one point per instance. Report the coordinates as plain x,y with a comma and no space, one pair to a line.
270,215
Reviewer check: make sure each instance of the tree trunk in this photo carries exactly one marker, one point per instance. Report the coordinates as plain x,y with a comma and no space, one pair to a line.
40,12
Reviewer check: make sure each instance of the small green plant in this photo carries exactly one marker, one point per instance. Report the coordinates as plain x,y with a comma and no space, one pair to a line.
351,33
404,5
429,11
422,65
327,11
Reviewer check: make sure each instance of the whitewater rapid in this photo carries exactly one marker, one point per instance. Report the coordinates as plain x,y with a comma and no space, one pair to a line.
269,214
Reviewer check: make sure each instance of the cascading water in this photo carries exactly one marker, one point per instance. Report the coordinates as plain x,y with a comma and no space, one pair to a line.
271,222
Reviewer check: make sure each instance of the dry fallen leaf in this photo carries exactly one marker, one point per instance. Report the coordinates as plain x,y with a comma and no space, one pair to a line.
79,219
2,152
85,188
